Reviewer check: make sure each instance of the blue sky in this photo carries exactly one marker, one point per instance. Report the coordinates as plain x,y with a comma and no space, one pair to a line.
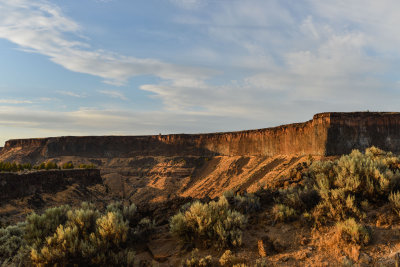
122,67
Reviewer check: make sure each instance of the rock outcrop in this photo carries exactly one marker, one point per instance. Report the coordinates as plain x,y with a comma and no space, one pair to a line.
18,185
326,134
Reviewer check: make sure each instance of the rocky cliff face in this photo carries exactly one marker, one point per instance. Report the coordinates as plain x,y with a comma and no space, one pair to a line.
325,134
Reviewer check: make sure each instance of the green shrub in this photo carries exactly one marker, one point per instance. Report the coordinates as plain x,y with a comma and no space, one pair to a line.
283,213
87,166
38,227
51,165
87,238
68,165
246,203
352,232
128,212
212,223
394,199
228,259
353,179
300,198
196,261
13,248
14,167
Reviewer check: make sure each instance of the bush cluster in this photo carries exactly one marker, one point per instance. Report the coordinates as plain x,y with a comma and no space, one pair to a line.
212,223
339,191
353,179
14,167
83,236
13,250
245,203
50,165
353,232
46,166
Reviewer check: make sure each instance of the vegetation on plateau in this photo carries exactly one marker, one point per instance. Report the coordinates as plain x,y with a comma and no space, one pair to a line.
50,165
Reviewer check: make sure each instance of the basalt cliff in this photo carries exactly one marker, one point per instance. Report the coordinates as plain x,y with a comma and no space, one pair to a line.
161,167
325,135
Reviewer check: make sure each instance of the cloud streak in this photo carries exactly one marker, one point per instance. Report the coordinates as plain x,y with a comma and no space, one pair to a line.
41,27
114,94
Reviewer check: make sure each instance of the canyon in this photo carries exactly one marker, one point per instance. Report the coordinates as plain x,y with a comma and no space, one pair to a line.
162,167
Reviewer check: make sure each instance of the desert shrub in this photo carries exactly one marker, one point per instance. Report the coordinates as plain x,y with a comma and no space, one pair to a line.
88,238
300,198
336,205
345,183
143,229
283,213
38,227
212,223
87,166
228,259
68,165
352,232
14,167
196,261
13,248
128,211
51,165
394,199
245,203
139,228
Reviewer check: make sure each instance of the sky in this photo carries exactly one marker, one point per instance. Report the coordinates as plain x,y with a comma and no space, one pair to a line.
123,67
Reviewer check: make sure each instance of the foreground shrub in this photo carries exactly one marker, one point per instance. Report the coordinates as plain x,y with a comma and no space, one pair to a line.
344,183
38,227
228,259
211,223
352,232
196,261
394,199
88,238
283,213
13,251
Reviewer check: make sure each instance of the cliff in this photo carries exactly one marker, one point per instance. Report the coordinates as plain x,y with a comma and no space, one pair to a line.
326,134
15,185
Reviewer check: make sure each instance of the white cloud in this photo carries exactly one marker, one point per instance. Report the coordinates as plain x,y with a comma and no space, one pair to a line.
15,101
41,27
114,94
72,94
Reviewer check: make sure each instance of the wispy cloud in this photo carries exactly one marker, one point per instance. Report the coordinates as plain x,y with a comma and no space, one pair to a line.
15,101
41,27
72,94
114,94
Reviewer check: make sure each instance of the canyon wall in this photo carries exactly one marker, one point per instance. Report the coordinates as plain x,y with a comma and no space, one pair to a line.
326,134
17,185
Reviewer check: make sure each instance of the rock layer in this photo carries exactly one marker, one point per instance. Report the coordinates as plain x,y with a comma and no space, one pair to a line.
326,134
